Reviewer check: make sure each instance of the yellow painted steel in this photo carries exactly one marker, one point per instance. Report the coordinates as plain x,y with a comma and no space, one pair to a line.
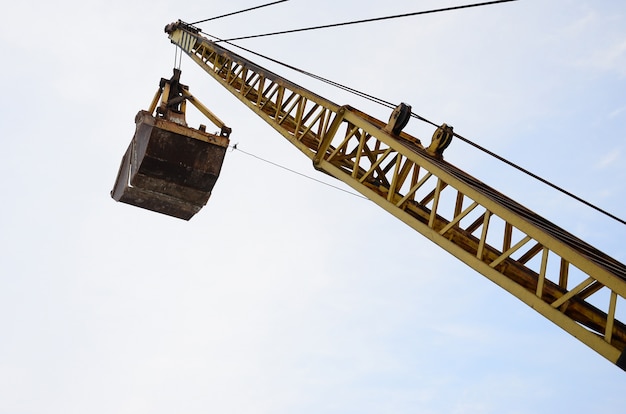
480,226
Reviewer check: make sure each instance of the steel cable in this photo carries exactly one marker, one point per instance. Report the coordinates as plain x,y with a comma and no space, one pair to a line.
240,11
235,148
375,19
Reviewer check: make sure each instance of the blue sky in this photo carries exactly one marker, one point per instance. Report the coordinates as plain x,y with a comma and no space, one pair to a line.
283,295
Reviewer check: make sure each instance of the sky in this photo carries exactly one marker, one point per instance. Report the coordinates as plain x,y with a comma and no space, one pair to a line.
284,295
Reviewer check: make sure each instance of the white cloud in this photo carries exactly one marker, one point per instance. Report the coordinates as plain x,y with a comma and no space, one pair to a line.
608,58
617,112
609,159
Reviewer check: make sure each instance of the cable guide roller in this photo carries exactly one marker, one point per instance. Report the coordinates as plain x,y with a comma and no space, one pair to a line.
170,167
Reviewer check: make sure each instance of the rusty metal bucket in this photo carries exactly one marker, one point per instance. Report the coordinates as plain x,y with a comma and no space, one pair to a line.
168,167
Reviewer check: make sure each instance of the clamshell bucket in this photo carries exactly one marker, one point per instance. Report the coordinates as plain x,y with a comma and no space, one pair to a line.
169,167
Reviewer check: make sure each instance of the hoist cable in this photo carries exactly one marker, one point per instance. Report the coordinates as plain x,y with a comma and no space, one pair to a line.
312,75
538,178
178,58
235,148
375,19
414,115
525,171
240,11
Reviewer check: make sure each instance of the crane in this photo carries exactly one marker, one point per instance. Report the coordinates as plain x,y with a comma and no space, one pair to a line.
568,281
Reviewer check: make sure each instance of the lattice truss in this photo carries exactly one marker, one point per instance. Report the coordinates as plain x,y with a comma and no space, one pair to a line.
568,281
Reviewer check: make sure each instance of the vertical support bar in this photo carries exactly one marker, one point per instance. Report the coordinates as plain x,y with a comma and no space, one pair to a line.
363,136
395,177
542,272
433,212
563,273
279,101
299,115
326,117
260,90
230,75
328,136
508,234
165,96
610,317
415,178
459,203
483,235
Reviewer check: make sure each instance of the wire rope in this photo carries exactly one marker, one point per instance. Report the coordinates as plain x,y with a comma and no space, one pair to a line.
178,58
375,19
312,75
235,148
525,171
240,11
540,179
